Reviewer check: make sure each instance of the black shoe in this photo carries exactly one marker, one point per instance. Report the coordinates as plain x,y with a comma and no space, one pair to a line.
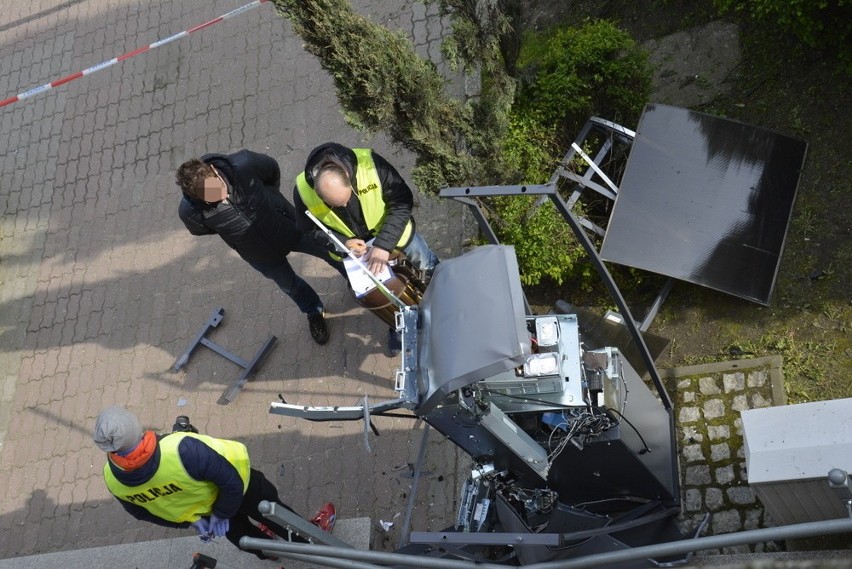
394,343
319,331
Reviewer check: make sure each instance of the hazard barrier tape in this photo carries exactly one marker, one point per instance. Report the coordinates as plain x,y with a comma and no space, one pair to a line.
48,86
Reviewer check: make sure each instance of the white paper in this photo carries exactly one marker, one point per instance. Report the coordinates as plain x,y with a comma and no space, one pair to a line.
359,281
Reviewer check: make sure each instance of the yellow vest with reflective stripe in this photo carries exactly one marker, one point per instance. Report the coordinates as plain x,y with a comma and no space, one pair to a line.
172,494
369,192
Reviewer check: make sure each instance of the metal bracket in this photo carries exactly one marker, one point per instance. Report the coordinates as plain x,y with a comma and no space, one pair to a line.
248,367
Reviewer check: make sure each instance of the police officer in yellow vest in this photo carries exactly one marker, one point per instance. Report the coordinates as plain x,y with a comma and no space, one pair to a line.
183,478
359,196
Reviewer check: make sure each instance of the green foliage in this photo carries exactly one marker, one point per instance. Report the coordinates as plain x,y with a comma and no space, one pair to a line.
530,154
822,24
477,31
540,237
574,73
569,75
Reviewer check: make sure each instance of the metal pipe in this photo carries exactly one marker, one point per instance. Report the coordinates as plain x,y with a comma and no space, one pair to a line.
286,549
406,524
333,562
615,293
344,249
809,529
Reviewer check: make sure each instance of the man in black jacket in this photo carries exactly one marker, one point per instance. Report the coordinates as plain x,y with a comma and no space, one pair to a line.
237,196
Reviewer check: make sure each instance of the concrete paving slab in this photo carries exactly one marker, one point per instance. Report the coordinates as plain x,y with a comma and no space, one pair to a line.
177,553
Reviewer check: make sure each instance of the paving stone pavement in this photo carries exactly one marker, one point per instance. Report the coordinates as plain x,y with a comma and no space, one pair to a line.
101,287
708,400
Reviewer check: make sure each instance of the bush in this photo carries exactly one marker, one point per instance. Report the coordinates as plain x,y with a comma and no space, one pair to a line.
574,73
566,77
530,153
825,25
542,239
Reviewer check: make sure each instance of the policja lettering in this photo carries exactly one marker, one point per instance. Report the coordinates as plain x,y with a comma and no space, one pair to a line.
153,493
370,187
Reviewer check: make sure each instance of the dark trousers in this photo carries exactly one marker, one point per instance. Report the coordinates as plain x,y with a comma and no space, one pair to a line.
294,286
259,489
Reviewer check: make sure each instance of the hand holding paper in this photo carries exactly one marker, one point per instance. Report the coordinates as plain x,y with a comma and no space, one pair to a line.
359,281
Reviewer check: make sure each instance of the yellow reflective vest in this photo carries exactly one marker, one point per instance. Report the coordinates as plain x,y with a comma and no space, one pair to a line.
172,494
369,192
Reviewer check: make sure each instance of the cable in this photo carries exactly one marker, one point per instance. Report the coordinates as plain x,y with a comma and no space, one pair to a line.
531,400
641,438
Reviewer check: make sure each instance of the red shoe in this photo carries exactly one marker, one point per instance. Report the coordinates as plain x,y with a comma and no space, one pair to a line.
325,517
265,529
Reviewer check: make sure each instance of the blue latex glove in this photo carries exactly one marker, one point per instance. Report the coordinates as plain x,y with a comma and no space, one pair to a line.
202,526
218,526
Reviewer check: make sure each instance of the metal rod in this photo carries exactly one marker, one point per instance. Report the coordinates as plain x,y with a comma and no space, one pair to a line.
237,385
286,548
476,538
615,293
329,562
635,334
207,342
406,523
655,307
481,220
290,520
809,529
597,170
479,191
212,322
550,539
344,249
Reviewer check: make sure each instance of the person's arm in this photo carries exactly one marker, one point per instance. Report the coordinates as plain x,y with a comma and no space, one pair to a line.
187,215
399,201
203,463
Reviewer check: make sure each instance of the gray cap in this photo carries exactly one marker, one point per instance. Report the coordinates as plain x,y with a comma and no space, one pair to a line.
117,430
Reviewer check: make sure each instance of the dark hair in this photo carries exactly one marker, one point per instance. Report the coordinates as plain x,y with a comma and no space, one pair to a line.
190,177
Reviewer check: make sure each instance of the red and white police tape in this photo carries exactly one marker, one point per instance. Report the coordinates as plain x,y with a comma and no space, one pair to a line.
128,55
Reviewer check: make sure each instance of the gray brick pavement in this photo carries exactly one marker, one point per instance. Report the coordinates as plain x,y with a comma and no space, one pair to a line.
101,287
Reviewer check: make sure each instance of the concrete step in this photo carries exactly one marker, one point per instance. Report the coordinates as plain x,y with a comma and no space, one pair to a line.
177,553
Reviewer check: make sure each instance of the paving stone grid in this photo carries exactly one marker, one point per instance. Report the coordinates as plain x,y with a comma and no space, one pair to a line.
101,287
714,479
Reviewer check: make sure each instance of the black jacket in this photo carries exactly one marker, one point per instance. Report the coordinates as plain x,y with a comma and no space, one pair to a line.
256,220
399,201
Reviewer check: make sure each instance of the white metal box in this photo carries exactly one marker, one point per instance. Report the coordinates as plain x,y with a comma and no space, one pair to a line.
789,451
